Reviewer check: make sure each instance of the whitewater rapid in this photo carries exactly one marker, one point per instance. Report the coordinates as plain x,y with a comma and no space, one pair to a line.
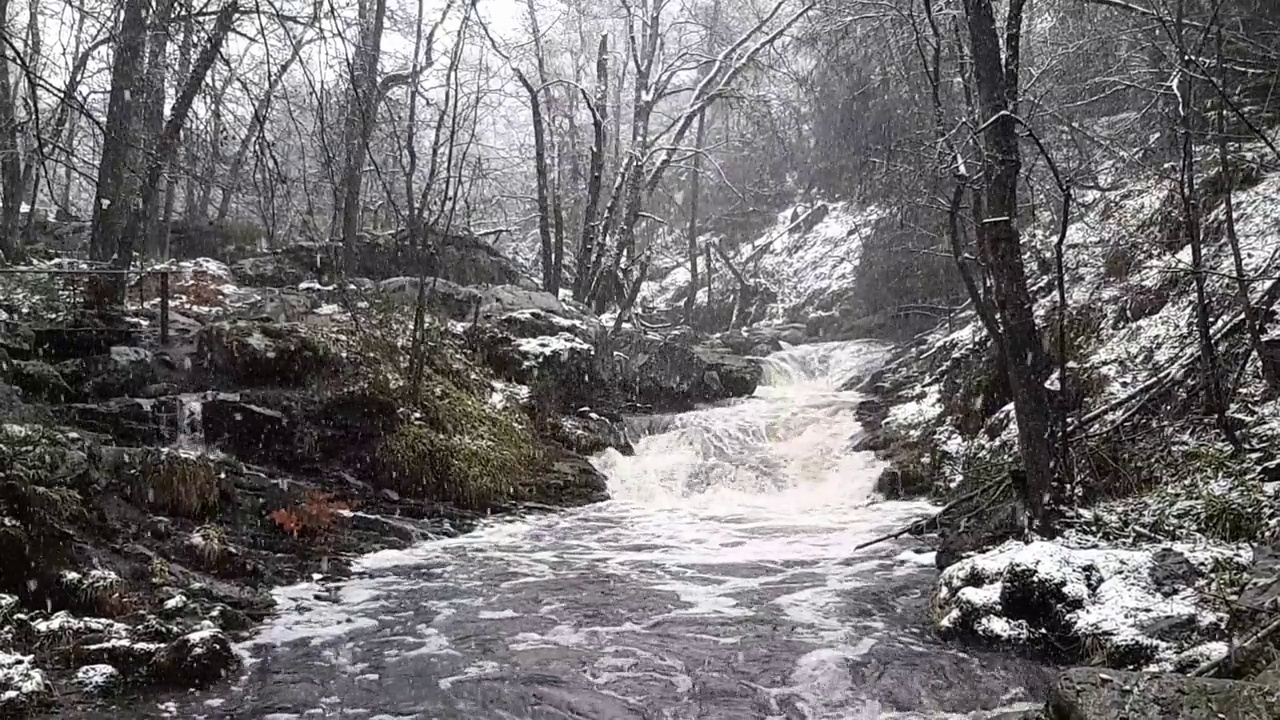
720,582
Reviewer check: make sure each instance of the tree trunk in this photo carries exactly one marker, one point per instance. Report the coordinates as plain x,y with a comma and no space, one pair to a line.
168,140
360,118
116,190
998,235
540,169
1244,291
10,154
595,182
1214,400
694,187
153,121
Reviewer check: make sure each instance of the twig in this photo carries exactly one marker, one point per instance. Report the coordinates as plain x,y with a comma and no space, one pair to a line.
1257,637
923,522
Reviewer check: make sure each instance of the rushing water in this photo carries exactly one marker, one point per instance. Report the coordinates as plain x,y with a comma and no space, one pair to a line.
719,583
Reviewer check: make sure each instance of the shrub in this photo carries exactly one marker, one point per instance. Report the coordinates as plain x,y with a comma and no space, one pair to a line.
180,484
311,518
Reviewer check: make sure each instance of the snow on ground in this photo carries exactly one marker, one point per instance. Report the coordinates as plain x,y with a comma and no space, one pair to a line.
1139,607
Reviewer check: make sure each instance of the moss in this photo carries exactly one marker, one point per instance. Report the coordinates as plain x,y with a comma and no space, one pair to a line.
179,484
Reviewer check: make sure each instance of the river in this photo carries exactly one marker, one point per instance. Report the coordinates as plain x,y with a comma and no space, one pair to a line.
720,582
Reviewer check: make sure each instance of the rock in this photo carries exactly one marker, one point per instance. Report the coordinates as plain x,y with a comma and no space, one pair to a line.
132,658
251,433
99,679
195,660
569,482
38,380
122,371
276,270
1093,694
448,298
84,333
1171,571
256,354
561,370
129,421
588,433
230,620
1078,604
670,373
23,687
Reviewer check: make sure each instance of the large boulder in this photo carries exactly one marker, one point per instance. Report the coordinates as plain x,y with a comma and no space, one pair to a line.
38,380
256,353
673,373
1127,608
121,371
250,432
1095,694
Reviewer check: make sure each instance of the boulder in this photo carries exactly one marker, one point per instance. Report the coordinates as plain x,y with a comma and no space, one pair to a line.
1077,604
128,421
82,333
275,270
447,298
23,686
195,660
99,679
38,380
1095,694
262,353
122,371
250,432
671,373
570,481
588,433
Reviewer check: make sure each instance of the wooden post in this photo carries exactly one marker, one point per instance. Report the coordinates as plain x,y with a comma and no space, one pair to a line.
164,307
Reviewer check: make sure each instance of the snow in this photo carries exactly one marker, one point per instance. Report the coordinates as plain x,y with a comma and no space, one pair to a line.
20,681
563,346
64,623
96,678
1103,594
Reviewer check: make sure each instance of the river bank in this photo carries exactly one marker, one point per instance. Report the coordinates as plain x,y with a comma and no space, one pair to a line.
154,493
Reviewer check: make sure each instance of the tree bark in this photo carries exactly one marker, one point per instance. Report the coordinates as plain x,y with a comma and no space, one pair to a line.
998,235
168,141
360,118
595,183
10,154
692,235
111,207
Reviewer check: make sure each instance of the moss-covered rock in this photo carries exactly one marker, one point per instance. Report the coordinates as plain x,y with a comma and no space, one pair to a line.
38,381
257,353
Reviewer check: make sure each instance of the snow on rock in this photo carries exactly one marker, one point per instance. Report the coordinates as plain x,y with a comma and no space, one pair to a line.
22,685
99,679
196,659
65,624
561,346
1128,608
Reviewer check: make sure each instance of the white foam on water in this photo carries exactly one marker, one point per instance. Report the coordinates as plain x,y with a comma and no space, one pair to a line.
733,520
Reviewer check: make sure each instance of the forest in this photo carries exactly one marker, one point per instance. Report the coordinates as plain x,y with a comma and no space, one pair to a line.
284,283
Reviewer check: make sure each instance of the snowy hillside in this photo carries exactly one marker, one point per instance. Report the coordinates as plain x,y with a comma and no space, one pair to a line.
808,259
